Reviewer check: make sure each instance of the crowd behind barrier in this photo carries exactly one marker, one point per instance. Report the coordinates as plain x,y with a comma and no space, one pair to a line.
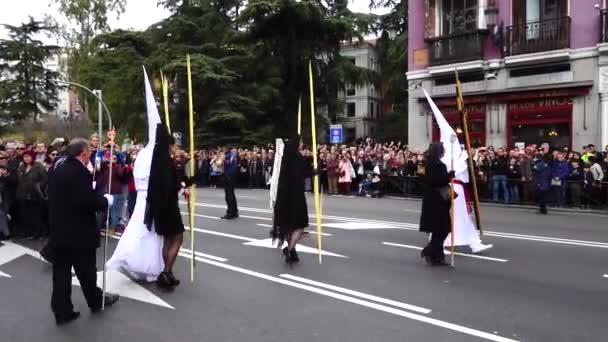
577,179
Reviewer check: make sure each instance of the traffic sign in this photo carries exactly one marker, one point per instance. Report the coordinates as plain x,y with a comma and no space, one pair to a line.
335,134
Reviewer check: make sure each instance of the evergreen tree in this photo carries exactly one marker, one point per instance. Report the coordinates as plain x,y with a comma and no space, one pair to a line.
26,87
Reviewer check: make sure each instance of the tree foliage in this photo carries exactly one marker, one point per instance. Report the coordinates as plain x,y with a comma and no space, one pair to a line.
26,89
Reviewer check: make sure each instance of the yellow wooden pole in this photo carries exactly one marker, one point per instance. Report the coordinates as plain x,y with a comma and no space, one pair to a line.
165,89
314,161
191,200
300,115
467,145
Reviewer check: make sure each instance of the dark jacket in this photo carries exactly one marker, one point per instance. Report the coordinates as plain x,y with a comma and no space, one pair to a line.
435,216
542,175
500,166
514,172
576,174
560,169
73,205
231,165
31,184
526,169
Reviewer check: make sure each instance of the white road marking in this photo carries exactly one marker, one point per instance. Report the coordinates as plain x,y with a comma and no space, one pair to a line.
456,253
268,243
185,252
119,283
6,275
605,275
213,232
359,294
375,306
309,231
11,251
256,217
203,216
359,226
415,227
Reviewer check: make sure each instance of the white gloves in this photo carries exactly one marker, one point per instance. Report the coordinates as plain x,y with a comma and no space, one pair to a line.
110,199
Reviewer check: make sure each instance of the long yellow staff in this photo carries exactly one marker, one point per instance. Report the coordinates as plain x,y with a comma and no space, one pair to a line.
314,161
300,115
165,88
467,144
192,161
453,140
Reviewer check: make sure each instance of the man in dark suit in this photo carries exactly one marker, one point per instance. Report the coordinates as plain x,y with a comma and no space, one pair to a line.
74,237
231,170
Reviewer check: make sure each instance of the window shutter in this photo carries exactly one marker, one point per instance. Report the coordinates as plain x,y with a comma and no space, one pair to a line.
430,16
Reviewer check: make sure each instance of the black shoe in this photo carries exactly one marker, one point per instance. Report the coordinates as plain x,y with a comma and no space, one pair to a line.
287,256
109,300
164,281
65,319
294,256
172,280
229,217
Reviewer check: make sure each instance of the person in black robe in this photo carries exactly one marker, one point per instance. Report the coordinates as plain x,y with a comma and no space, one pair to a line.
290,210
435,217
162,208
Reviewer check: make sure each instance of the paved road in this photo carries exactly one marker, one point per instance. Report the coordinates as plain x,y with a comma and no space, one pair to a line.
543,281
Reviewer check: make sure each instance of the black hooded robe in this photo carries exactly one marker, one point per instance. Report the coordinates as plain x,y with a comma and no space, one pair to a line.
290,210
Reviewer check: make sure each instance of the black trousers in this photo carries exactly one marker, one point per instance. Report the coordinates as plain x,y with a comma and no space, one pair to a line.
31,222
83,261
435,247
230,197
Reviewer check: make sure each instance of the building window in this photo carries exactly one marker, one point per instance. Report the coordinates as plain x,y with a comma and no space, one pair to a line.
351,90
377,110
351,109
352,60
457,16
371,110
351,134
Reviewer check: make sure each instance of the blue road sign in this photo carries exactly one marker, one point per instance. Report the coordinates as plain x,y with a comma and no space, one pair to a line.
335,134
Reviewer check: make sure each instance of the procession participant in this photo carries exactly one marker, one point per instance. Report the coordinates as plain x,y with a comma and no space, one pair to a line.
74,237
435,216
149,247
290,210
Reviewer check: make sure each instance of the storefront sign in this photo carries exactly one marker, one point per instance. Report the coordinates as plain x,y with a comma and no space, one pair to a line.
469,87
552,78
540,103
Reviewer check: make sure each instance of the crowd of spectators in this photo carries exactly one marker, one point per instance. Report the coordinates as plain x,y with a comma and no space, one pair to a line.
365,168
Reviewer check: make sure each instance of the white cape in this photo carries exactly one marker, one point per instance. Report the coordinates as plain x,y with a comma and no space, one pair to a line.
465,231
140,251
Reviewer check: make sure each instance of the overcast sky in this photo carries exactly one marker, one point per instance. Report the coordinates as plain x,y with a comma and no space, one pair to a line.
139,14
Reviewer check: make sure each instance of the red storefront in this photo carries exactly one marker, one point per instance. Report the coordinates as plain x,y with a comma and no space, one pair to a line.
532,117
476,109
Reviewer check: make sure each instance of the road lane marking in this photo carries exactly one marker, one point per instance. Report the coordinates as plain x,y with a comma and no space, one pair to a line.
415,227
358,294
456,253
185,252
308,231
605,275
203,216
361,302
256,217
213,232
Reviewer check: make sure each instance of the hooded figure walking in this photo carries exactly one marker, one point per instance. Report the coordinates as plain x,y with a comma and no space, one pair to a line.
290,210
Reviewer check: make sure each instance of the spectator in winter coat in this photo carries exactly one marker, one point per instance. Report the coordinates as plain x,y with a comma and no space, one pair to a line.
32,179
559,174
514,179
575,183
332,174
542,180
500,169
345,179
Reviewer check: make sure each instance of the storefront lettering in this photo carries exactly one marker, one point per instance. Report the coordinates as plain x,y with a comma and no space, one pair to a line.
540,103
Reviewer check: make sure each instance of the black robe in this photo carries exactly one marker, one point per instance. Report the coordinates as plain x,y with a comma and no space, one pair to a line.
290,210
435,217
162,208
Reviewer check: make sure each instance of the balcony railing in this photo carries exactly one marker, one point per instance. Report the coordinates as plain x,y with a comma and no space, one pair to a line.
538,36
604,26
455,48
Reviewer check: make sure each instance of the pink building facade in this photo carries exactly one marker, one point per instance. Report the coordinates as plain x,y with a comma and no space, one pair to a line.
533,71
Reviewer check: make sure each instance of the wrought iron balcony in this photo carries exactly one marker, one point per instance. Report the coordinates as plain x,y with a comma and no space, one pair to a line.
538,36
604,26
456,48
